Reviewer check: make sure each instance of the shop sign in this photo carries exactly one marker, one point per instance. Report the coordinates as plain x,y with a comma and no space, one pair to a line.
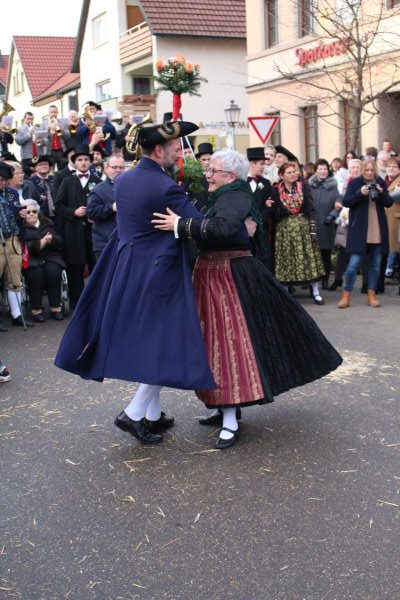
322,51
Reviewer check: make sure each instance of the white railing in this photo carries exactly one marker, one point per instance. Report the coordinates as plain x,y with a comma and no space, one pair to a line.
132,29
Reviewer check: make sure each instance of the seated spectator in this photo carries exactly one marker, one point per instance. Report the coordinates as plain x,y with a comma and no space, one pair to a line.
101,208
45,263
11,256
24,187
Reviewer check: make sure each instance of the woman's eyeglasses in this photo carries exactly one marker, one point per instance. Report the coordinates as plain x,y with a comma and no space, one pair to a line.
213,171
32,212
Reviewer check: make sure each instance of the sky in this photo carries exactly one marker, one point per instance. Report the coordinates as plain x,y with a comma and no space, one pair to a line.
43,17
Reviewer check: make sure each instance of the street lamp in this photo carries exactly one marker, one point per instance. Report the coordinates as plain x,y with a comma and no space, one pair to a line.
232,116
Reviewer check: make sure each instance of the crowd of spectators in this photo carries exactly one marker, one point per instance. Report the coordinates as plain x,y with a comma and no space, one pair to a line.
58,209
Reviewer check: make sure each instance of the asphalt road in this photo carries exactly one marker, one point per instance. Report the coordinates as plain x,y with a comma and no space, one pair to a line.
306,506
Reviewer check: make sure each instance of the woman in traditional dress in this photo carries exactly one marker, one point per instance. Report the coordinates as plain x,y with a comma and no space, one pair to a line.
259,341
298,259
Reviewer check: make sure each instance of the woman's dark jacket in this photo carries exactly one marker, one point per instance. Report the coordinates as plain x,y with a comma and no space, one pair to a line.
51,252
358,221
225,230
100,211
325,194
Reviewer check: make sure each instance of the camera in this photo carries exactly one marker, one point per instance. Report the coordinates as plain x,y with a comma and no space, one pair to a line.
331,218
373,191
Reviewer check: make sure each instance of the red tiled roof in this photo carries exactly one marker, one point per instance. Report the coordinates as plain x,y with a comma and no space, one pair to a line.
44,59
62,82
3,69
223,19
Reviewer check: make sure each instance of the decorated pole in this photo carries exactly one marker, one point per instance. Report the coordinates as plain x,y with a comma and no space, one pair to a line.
180,77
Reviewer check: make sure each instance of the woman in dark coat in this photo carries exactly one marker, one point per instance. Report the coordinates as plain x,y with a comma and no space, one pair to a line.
327,204
367,197
259,341
297,257
45,263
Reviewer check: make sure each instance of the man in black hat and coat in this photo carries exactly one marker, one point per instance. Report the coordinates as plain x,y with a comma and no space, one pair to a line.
69,169
261,188
70,205
137,319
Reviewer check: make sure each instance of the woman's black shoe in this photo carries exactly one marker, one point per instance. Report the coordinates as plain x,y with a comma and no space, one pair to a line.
222,444
57,315
216,420
38,318
137,429
160,425
319,300
337,283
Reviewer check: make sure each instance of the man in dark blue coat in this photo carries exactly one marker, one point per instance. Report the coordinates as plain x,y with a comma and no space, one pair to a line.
136,319
102,207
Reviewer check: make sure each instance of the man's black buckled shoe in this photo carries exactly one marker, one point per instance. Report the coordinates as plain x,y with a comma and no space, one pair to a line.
160,425
137,429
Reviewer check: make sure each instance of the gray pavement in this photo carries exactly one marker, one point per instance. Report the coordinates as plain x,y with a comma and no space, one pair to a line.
306,506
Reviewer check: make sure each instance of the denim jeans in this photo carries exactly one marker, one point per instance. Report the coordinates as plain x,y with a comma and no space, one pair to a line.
375,255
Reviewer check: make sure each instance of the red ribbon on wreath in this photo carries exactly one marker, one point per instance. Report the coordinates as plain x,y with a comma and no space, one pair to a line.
176,106
176,111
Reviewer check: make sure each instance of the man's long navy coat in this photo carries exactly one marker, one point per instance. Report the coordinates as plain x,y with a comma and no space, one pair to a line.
136,319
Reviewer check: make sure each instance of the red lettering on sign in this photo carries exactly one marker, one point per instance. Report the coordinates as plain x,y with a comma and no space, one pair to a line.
322,51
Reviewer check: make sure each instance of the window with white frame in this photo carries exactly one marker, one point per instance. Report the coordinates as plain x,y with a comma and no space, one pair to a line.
306,17
346,10
99,30
103,90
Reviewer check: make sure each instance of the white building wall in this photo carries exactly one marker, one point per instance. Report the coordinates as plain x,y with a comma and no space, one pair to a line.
223,64
101,63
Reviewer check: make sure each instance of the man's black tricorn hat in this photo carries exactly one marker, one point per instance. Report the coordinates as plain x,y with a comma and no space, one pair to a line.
152,135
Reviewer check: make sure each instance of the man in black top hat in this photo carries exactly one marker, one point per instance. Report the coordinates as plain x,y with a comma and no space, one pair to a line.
261,189
70,205
203,155
69,170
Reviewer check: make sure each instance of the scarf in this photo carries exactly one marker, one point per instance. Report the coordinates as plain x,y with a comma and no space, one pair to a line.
293,200
242,186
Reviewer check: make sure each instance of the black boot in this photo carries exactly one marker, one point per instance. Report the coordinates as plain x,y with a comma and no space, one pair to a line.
337,283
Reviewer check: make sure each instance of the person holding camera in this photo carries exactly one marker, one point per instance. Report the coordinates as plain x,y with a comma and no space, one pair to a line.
366,196
45,264
327,204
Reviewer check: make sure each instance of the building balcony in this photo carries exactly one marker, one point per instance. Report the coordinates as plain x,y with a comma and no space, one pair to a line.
135,45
